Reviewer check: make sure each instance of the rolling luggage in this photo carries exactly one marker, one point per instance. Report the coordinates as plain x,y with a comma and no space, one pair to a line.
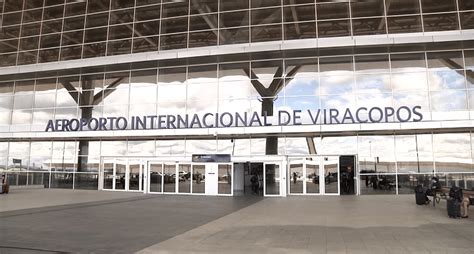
454,208
420,195
456,193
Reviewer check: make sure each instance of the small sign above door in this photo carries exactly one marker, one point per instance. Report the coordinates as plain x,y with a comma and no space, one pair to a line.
211,158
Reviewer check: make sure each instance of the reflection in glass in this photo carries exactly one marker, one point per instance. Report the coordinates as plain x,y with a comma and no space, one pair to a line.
452,152
408,182
378,184
59,180
108,167
184,176
296,177
376,153
272,179
464,181
169,178
198,175
86,181
156,177
312,177
135,177
120,171
331,174
224,179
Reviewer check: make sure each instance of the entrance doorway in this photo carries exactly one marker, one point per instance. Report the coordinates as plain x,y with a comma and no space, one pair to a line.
315,175
259,178
213,179
124,174
347,169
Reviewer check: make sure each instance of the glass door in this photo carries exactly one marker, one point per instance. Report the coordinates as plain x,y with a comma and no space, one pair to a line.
330,170
169,178
135,175
296,176
108,174
304,175
120,174
224,179
312,176
198,178
155,177
271,179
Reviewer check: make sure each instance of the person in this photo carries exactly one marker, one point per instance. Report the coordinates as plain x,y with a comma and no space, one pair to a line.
466,201
2,180
294,177
254,181
351,179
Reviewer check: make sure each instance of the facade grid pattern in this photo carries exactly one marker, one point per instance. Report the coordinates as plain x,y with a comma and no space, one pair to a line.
56,31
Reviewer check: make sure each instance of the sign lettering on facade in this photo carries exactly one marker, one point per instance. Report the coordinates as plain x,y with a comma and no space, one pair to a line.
236,119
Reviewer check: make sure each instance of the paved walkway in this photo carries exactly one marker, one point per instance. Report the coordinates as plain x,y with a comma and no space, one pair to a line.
19,199
365,224
64,221
100,225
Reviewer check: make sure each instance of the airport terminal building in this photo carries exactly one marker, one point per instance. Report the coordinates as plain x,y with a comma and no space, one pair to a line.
214,97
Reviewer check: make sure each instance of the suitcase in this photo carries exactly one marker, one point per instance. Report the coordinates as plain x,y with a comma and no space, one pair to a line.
420,198
420,195
454,208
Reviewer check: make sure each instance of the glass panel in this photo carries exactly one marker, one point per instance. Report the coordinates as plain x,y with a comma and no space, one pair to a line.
312,177
332,11
108,174
224,179
452,152
297,177
376,153
61,180
441,22
184,185
405,24
464,181
334,28
266,33
407,183
199,184
120,171
378,184
39,179
414,153
86,181
169,178
331,175
272,179
156,175
403,7
135,176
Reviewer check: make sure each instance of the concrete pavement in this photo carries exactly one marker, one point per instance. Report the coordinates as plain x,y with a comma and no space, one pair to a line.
111,222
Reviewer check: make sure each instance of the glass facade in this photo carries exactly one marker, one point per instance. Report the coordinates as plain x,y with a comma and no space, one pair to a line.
406,159
393,155
49,31
440,82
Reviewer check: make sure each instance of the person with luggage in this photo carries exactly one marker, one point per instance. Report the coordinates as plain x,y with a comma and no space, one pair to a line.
420,195
454,202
